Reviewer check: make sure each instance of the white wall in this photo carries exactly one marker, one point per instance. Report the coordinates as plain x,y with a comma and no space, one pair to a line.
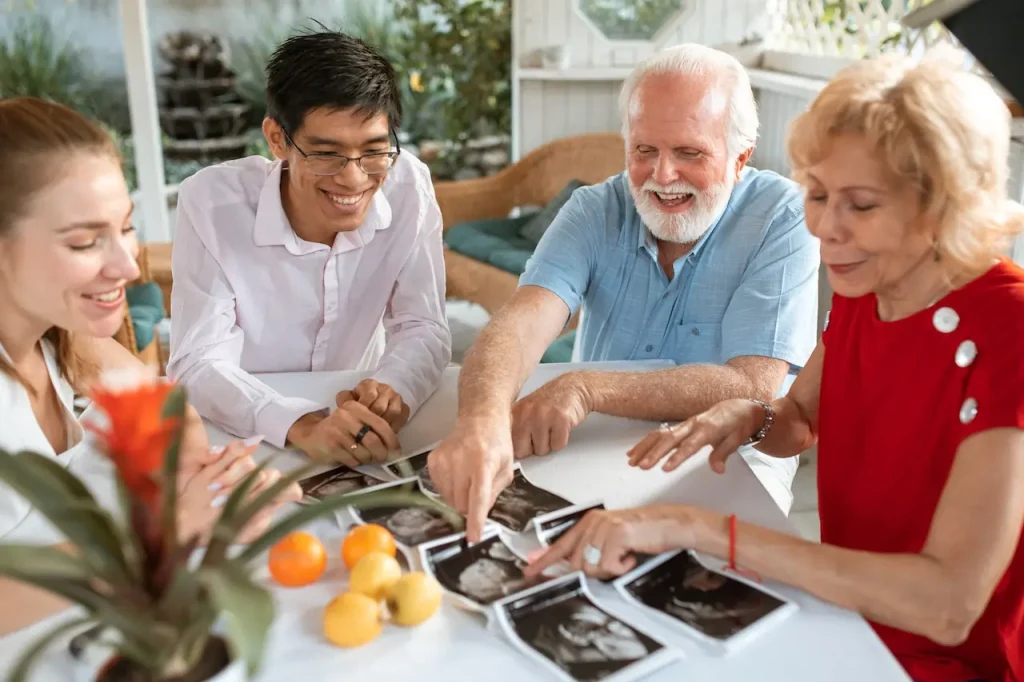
547,109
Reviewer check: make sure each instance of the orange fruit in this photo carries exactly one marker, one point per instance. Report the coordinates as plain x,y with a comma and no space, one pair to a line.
362,540
297,559
414,599
352,620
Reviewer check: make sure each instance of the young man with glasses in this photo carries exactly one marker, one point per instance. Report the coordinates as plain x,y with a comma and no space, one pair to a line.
327,258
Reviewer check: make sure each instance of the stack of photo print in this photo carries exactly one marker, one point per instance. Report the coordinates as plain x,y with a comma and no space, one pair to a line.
555,619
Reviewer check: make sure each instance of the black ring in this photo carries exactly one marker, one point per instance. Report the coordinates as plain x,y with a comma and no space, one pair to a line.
362,433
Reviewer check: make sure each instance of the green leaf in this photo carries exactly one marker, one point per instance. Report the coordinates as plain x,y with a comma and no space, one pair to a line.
42,561
359,500
174,408
223,533
70,507
21,669
248,607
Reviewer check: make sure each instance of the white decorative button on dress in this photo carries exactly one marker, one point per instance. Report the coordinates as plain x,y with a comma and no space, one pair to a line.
968,411
945,319
965,353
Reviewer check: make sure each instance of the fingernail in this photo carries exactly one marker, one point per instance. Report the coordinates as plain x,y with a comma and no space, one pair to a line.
255,440
214,487
217,449
535,554
219,501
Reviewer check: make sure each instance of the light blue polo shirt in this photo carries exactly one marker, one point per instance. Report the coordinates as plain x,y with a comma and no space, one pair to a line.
748,287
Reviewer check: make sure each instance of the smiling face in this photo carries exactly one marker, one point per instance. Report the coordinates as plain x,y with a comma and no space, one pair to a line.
68,257
680,171
320,206
873,232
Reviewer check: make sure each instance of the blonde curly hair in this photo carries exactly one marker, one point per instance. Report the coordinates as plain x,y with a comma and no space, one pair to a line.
936,126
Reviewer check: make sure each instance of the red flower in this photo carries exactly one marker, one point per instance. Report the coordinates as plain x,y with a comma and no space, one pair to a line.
137,436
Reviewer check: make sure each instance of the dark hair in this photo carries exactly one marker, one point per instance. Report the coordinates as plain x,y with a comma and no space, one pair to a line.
36,137
331,70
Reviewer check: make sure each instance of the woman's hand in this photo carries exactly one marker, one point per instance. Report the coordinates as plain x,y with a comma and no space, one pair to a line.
725,427
612,539
259,524
202,493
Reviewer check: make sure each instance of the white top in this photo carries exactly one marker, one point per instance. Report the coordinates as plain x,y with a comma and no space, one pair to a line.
22,432
249,296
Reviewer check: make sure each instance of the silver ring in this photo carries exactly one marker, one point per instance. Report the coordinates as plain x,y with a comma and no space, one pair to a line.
592,555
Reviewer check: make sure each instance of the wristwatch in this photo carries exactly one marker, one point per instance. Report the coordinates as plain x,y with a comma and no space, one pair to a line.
769,417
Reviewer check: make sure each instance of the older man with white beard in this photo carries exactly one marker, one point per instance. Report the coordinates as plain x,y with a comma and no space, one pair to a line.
688,255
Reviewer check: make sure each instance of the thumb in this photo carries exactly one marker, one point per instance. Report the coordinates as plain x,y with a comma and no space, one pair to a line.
343,397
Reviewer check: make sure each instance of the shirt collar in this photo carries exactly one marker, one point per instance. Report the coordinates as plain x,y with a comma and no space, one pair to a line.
273,228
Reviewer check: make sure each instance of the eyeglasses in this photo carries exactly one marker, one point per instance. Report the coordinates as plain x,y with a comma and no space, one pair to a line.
329,163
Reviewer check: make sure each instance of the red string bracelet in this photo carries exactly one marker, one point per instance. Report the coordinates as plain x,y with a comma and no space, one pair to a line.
732,553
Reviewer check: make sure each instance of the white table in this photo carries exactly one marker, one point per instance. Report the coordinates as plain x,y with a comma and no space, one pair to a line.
819,642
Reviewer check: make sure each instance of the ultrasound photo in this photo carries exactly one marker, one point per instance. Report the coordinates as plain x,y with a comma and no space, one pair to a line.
337,481
483,573
563,624
713,603
414,466
411,526
521,501
552,526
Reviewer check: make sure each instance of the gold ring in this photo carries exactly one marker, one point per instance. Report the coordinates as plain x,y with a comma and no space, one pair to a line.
353,446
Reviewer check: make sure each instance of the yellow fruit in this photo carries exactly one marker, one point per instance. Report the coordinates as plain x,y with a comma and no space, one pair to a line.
352,620
414,598
374,575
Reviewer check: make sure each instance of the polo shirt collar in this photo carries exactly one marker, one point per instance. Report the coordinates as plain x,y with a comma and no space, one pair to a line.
273,228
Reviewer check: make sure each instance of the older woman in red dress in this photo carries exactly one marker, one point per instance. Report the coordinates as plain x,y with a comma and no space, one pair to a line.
915,394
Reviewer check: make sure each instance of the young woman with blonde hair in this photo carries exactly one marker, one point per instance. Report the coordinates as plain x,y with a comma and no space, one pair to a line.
67,251
915,394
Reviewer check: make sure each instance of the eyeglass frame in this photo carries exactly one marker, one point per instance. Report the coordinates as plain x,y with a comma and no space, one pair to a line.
391,154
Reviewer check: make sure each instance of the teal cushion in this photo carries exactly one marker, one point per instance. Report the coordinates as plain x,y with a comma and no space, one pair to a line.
561,349
146,307
496,242
534,229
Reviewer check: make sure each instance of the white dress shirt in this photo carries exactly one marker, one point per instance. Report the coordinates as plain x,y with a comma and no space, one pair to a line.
249,296
21,432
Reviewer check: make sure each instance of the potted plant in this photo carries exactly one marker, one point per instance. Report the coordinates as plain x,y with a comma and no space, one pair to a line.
164,598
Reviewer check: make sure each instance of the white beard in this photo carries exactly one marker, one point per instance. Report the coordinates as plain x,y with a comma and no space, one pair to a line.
686,227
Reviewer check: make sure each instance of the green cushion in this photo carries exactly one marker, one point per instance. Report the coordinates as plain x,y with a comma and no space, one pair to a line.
146,307
496,242
561,349
534,229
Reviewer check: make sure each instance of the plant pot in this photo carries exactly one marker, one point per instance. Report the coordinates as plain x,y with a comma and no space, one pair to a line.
98,664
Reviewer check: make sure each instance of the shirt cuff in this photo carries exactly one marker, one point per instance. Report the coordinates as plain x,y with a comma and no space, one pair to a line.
274,420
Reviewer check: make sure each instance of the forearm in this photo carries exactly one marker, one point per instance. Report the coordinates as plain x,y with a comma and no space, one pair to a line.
238,402
494,371
667,395
911,592
26,605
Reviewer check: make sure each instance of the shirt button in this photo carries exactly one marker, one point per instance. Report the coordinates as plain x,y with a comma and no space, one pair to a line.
695,331
945,320
649,348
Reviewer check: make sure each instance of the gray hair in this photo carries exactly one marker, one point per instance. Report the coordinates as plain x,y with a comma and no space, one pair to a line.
691,59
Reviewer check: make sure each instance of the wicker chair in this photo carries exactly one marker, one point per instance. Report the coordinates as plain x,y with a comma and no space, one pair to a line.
152,354
532,181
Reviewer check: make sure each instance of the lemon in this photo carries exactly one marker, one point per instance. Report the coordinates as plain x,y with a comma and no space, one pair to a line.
352,620
374,575
414,598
